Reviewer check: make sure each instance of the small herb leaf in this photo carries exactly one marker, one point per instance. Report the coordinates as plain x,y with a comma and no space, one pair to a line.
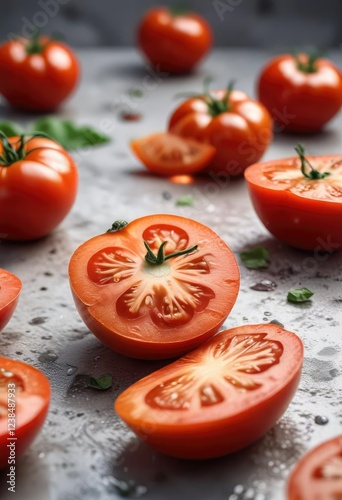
10,129
255,258
185,201
299,295
102,383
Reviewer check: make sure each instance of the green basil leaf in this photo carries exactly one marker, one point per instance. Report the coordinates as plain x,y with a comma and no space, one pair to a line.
69,134
299,295
255,258
185,201
10,128
102,383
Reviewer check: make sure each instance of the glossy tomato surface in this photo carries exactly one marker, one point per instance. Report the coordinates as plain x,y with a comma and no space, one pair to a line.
168,154
10,288
305,213
37,75
220,397
300,96
28,390
154,311
239,128
173,42
37,191
318,475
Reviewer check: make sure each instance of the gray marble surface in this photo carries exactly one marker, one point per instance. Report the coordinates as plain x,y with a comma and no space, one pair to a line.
84,450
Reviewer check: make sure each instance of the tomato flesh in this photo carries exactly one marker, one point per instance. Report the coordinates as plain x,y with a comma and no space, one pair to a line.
10,288
167,154
154,311
302,212
218,398
30,390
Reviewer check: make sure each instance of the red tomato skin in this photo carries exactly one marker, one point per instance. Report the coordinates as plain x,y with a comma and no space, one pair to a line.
174,43
37,192
240,135
37,82
10,288
304,223
304,484
299,101
37,400
221,436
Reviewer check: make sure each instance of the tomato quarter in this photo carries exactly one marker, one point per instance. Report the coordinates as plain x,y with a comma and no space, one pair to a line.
154,288
169,154
218,398
27,388
174,42
10,288
301,92
299,200
318,475
38,185
37,74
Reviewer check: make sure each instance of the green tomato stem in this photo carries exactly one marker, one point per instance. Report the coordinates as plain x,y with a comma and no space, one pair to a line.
160,258
312,174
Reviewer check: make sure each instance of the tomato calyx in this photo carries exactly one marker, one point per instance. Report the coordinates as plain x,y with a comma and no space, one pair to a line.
178,9
215,106
309,65
13,153
117,226
160,258
35,45
312,174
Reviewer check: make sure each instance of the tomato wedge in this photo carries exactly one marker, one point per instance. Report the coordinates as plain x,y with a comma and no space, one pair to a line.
10,288
318,475
220,397
148,309
169,154
24,402
299,200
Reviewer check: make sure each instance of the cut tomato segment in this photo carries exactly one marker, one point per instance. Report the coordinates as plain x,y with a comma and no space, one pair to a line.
318,474
218,398
152,310
10,288
169,154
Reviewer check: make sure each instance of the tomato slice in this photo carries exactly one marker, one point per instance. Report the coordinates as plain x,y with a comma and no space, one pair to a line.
169,154
154,311
220,397
303,212
318,475
10,288
28,390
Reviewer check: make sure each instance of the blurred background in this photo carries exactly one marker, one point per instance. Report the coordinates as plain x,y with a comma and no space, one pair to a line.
257,23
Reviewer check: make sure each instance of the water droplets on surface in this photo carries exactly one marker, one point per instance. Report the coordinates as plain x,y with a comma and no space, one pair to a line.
321,420
71,370
47,356
264,286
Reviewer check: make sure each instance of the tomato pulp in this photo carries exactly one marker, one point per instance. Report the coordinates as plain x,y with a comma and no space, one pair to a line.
10,288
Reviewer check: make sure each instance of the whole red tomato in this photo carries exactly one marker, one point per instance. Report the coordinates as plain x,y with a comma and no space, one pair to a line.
239,128
38,185
37,74
302,92
174,42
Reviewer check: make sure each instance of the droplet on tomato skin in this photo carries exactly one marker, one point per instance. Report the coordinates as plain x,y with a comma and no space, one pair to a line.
264,286
321,420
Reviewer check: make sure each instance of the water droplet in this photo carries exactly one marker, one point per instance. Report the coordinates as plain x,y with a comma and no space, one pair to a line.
166,195
41,455
46,337
276,322
321,420
71,370
6,373
39,320
47,356
267,313
264,286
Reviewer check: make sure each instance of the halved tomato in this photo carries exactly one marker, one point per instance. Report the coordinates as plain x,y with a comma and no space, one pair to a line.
299,200
169,154
10,288
219,398
154,288
318,475
24,402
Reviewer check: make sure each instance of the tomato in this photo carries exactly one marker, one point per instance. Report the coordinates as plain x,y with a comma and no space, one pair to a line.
10,288
302,92
318,475
174,42
38,185
154,288
25,397
37,74
220,397
169,154
239,128
297,205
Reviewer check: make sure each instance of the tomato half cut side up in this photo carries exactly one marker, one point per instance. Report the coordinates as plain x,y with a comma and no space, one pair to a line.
149,310
10,288
168,154
30,390
219,398
318,475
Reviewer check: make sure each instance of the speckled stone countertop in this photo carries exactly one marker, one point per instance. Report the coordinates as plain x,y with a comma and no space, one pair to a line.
84,451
